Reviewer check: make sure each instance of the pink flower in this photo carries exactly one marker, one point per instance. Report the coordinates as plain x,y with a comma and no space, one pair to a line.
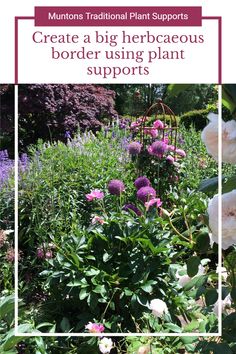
171,147
158,124
96,219
154,133
152,202
95,194
95,327
170,159
134,125
180,152
151,131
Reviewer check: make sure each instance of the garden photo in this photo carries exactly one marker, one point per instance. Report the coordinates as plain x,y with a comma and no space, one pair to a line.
118,226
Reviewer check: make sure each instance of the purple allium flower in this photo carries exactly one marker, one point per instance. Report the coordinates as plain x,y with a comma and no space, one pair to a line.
116,187
142,182
158,148
146,193
128,207
134,148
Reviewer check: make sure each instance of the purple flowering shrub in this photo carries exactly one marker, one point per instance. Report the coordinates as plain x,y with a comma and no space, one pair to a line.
48,111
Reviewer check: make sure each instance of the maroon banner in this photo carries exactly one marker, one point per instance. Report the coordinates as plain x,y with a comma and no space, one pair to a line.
118,16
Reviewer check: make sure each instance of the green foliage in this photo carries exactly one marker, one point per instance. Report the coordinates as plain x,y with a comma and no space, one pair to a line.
197,118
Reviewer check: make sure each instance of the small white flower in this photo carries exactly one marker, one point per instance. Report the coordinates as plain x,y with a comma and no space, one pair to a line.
158,307
210,139
223,272
228,218
105,345
144,349
184,279
224,304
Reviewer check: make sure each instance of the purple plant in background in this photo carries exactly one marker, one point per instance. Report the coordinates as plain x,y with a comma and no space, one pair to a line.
116,187
6,167
134,148
146,193
67,134
132,207
158,148
142,181
24,162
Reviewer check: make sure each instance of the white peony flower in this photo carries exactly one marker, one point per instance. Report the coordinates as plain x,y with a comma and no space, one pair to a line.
105,345
228,218
158,307
210,139
224,303
144,349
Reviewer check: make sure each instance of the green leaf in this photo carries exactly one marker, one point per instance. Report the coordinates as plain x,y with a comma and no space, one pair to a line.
7,306
209,185
229,184
203,242
197,281
11,340
211,296
65,325
229,97
192,265
83,294
173,327
175,89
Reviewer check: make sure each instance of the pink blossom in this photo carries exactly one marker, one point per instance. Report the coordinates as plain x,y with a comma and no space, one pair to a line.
97,219
152,202
134,125
95,327
154,133
180,152
170,159
158,124
95,194
171,147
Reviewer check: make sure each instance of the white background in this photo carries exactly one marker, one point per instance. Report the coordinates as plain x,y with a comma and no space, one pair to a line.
200,66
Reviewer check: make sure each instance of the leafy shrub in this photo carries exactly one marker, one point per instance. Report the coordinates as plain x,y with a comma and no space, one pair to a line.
48,111
197,118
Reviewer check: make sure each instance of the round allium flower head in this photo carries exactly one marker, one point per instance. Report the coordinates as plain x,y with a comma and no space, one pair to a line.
146,193
132,207
158,307
142,181
116,187
134,148
158,148
228,218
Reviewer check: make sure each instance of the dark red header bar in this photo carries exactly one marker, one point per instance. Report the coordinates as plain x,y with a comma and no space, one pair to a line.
118,16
